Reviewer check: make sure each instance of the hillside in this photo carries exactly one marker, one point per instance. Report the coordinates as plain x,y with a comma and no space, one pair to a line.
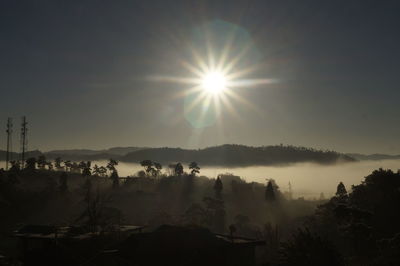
224,155
373,157
86,154
16,156
238,155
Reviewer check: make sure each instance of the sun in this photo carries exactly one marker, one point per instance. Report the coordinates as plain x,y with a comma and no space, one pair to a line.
214,82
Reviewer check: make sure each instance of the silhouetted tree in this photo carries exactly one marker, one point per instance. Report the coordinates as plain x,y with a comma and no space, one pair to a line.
341,190
86,170
68,165
95,205
158,168
82,166
111,165
215,211
30,164
148,166
57,163
269,192
179,169
50,166
115,179
195,215
306,249
388,251
242,224
15,167
195,169
96,170
378,195
272,237
103,171
141,174
41,162
218,187
87,189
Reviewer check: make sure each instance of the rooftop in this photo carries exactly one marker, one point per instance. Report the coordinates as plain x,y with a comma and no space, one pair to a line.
72,232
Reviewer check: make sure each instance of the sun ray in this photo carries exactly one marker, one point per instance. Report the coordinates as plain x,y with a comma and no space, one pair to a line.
217,104
217,80
228,105
227,49
209,50
250,82
232,64
196,102
243,101
204,110
173,79
199,60
242,72
195,70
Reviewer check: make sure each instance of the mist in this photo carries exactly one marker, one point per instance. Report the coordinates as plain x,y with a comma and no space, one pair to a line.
308,180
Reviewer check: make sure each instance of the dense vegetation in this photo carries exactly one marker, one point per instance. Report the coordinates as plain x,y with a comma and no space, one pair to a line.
239,155
356,228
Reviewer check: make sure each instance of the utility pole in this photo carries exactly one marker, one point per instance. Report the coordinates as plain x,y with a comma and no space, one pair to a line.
9,141
24,140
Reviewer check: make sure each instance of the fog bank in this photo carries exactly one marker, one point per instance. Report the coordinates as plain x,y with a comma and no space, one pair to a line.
307,179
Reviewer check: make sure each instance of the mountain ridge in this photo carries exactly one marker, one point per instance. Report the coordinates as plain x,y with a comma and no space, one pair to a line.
239,155
224,155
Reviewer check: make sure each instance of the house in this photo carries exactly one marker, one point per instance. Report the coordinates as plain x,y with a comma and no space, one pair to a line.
66,245
175,245
129,245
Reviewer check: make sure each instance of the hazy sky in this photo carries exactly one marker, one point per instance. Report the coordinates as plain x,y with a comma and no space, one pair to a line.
79,71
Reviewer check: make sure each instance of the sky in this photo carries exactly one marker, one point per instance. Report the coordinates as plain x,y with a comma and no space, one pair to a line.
99,74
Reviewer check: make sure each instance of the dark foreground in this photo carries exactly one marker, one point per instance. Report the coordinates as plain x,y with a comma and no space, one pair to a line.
71,217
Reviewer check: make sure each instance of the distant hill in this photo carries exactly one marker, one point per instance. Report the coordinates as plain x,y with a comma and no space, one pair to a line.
224,155
85,154
16,156
373,157
77,152
122,150
238,155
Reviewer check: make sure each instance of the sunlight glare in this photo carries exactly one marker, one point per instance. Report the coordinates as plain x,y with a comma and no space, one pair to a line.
214,82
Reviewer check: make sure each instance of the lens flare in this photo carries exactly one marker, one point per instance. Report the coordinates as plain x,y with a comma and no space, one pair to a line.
220,65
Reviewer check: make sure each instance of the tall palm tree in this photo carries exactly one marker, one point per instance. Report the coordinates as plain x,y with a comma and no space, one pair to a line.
195,168
179,169
111,165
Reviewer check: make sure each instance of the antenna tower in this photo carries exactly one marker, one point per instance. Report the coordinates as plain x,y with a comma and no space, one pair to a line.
24,140
9,141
